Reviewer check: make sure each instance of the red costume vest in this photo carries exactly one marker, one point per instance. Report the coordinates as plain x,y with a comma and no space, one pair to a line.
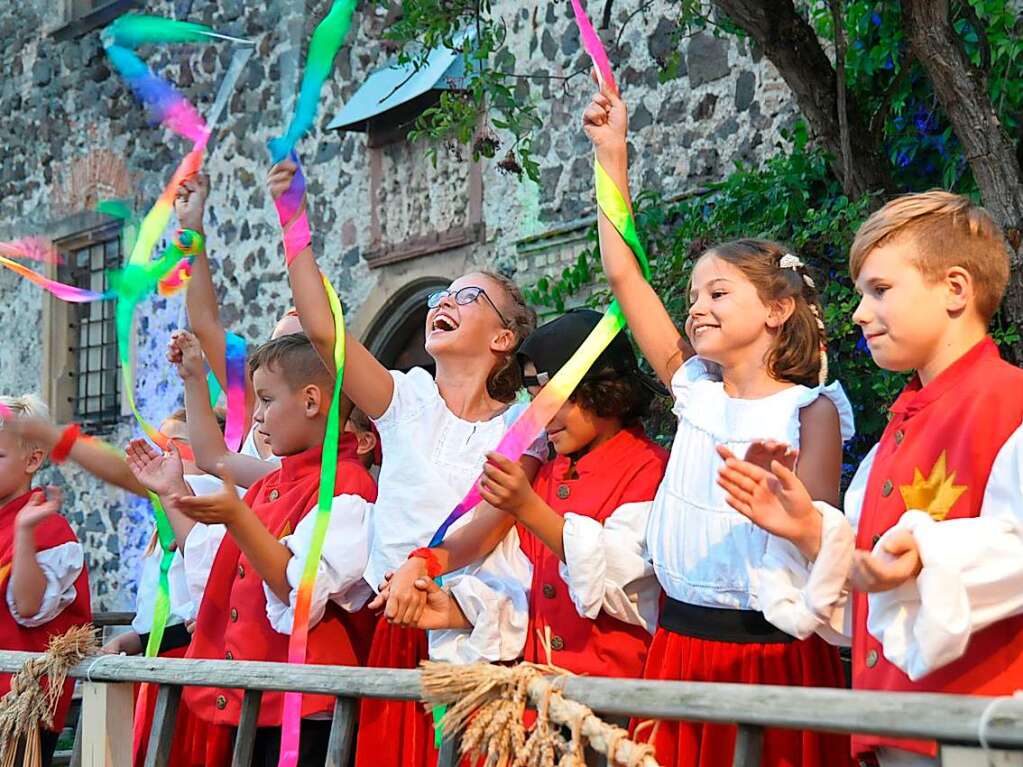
50,533
626,469
232,622
936,455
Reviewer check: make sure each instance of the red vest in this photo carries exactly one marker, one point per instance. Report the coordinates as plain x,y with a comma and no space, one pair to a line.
50,533
936,455
232,622
626,469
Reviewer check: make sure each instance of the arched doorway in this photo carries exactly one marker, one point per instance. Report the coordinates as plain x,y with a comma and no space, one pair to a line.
395,336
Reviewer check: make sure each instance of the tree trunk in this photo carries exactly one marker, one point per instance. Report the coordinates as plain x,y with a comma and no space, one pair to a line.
790,43
962,90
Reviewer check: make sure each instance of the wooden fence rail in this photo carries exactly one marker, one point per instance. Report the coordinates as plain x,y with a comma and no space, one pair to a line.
107,705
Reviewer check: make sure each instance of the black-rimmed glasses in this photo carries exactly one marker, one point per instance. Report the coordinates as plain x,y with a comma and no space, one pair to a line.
463,296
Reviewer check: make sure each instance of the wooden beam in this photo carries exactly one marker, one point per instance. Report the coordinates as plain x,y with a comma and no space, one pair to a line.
342,732
245,740
749,742
107,711
165,715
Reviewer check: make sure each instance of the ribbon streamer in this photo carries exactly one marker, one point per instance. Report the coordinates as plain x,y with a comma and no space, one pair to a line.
64,292
542,409
292,713
323,47
234,353
32,248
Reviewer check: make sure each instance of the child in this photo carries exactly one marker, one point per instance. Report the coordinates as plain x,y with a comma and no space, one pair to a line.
592,597
938,568
754,322
42,565
245,612
204,314
434,433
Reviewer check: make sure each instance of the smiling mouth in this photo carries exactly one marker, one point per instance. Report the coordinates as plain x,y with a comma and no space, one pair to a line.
443,324
700,329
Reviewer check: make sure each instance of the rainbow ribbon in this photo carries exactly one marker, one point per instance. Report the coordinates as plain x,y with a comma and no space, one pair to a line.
323,47
234,432
64,292
32,248
292,714
552,396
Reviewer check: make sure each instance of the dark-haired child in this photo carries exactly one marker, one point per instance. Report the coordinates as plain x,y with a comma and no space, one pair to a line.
756,386
246,610
44,585
592,597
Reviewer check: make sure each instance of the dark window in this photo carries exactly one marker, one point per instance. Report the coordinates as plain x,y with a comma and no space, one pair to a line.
83,16
93,334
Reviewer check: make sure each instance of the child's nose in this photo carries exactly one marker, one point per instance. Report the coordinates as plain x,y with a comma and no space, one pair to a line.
862,315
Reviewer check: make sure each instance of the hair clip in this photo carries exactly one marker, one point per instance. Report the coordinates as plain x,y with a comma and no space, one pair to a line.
789,261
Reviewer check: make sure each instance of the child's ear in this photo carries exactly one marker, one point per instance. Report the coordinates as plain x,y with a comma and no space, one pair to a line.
778,312
366,442
313,400
960,291
36,456
504,341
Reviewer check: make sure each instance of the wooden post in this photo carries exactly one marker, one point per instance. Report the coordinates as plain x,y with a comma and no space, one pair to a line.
165,716
342,732
748,744
245,739
449,747
107,710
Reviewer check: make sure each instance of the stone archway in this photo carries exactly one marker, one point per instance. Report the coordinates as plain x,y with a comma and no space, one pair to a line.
395,335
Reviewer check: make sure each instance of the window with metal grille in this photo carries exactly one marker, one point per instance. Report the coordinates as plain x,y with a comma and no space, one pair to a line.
92,334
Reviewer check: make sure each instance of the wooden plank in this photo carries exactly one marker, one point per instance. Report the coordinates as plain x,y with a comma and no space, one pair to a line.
76,749
946,718
749,742
107,711
245,740
448,756
342,732
165,715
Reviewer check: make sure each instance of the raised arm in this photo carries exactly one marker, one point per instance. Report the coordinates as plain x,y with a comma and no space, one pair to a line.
606,123
204,434
367,383
201,298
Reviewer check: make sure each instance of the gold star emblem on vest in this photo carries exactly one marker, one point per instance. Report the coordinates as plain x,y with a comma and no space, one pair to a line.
937,493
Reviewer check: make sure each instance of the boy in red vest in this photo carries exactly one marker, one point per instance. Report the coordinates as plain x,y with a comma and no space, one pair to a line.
246,610
935,511
43,578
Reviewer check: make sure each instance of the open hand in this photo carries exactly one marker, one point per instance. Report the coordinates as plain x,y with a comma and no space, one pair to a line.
505,485
775,500
185,353
606,119
42,504
190,201
221,508
897,563
162,474
763,453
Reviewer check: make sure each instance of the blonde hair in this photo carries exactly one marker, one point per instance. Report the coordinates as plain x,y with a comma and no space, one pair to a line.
29,405
947,230
505,380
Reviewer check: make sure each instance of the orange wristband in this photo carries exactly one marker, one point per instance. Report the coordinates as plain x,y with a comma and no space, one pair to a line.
67,440
433,568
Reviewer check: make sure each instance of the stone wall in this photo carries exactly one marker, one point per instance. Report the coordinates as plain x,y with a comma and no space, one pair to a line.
71,134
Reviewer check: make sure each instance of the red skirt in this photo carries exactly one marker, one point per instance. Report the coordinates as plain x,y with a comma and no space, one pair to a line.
808,663
395,733
203,744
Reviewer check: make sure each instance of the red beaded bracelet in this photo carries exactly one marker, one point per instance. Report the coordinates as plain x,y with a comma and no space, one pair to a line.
67,440
433,567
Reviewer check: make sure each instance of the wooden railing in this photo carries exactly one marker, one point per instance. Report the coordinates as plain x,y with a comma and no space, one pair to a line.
107,706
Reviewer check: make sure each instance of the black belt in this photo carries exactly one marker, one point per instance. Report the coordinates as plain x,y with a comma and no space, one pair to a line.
174,636
719,624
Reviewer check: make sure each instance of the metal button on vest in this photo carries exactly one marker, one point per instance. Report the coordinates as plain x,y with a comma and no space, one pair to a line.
899,436
234,615
229,655
563,492
221,702
241,571
548,591
275,494
872,659
557,643
887,487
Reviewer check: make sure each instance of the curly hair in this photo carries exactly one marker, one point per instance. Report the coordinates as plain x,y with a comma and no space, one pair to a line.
623,397
505,380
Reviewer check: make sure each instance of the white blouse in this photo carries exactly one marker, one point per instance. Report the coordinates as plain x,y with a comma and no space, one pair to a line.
430,460
971,574
61,565
704,552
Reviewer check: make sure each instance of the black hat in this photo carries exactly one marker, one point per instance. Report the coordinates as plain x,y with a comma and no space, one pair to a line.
550,346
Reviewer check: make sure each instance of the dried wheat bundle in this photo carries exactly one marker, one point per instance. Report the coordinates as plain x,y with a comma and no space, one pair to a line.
488,703
29,705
